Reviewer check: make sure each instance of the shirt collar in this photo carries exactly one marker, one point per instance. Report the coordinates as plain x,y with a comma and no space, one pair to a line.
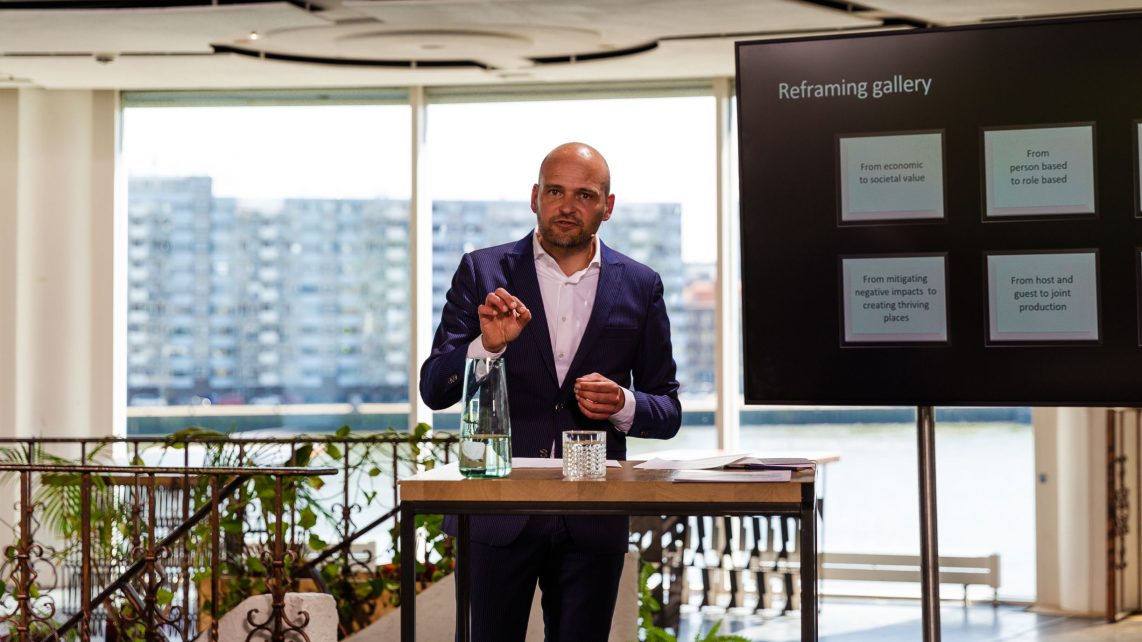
537,249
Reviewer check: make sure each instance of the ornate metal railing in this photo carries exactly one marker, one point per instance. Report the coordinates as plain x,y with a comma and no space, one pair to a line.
142,596
170,503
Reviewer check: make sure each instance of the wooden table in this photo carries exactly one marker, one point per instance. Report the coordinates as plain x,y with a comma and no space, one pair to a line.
625,491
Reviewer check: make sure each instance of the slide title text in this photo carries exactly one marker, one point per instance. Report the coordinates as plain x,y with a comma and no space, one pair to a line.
897,84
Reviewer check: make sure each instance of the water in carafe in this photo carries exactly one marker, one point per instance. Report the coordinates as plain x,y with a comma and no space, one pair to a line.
485,421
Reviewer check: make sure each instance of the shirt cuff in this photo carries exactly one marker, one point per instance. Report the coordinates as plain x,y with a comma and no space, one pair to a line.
476,350
624,419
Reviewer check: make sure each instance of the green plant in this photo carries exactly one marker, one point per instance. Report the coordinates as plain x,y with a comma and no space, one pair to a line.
57,497
714,636
648,606
354,586
439,557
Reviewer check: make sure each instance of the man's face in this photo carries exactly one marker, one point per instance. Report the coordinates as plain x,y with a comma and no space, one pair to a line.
571,200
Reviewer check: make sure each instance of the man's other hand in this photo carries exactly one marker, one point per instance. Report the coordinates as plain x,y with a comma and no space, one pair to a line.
598,396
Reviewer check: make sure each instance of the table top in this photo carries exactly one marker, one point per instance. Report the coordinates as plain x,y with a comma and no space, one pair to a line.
622,485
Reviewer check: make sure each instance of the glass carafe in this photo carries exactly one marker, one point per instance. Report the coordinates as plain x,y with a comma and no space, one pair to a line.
485,420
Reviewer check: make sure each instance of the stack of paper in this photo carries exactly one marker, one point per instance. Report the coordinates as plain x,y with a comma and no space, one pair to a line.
730,461
792,464
693,463
733,476
728,467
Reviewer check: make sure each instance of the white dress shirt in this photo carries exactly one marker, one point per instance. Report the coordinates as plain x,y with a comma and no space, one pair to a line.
567,304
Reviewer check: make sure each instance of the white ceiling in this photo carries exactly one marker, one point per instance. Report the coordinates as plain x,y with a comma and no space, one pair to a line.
138,44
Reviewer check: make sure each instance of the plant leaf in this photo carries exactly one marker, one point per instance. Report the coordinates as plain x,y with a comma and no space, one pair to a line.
308,518
316,543
255,565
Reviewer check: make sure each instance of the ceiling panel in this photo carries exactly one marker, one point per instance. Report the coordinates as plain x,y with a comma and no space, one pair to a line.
355,44
178,30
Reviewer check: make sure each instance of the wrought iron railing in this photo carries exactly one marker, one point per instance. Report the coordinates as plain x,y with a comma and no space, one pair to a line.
142,595
146,522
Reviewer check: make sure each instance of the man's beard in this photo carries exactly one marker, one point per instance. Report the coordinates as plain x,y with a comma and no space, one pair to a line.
570,239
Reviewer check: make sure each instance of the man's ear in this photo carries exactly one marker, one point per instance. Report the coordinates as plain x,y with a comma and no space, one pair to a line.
610,207
535,198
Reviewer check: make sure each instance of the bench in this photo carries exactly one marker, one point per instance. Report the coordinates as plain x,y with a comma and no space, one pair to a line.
871,567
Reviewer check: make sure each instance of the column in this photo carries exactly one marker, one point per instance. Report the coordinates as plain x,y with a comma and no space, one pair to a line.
59,373
1071,515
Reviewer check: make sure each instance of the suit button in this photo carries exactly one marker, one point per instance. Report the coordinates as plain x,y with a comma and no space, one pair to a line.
453,379
543,452
559,407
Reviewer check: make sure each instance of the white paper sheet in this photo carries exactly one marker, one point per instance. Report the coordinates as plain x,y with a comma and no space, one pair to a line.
716,461
733,476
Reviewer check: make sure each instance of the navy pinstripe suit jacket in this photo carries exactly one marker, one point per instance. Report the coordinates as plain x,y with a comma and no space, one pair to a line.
627,340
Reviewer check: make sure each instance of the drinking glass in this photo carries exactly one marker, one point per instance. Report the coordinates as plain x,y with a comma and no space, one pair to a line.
584,454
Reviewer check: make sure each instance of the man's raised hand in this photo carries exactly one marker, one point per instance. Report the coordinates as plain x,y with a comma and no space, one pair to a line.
502,318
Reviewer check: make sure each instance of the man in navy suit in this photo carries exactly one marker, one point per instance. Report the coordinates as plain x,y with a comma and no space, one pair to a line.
586,339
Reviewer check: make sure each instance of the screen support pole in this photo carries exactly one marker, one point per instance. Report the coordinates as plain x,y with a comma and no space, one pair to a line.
929,555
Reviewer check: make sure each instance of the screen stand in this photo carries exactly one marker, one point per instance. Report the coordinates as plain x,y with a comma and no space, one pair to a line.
929,556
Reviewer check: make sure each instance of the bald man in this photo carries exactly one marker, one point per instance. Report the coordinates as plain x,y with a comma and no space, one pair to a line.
585,336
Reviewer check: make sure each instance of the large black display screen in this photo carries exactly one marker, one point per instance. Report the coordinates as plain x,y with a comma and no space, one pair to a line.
945,217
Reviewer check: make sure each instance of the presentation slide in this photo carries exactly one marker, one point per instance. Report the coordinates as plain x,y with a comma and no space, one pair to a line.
896,299
891,178
1039,172
960,202
1043,297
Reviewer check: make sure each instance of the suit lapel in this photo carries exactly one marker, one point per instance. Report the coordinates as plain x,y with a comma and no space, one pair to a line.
520,268
610,281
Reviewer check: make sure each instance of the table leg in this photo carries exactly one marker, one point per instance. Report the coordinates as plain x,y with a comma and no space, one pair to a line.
808,555
408,573
463,603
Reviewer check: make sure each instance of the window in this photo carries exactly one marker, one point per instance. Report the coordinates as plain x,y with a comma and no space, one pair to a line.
263,210
661,154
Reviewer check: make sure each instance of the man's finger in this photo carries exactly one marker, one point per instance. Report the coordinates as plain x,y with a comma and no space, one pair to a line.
592,412
596,387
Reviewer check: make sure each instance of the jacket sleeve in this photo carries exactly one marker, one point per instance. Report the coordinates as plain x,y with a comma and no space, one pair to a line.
658,413
442,373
